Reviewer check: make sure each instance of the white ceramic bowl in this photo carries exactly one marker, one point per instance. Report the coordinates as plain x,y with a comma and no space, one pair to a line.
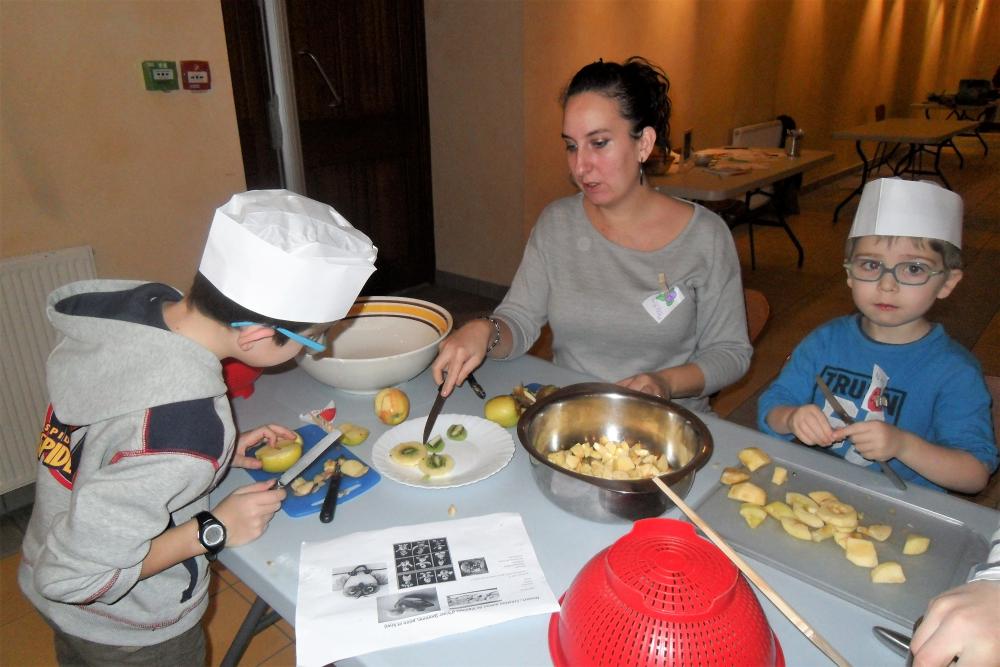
381,342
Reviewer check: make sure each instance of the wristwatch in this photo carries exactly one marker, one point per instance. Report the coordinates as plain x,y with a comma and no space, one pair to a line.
496,332
211,534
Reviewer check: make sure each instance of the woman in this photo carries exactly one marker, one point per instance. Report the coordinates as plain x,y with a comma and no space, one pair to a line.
639,288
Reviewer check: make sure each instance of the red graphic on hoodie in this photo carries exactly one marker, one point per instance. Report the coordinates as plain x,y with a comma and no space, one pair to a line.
875,400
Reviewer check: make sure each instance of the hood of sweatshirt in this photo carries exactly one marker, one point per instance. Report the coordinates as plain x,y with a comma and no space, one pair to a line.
116,355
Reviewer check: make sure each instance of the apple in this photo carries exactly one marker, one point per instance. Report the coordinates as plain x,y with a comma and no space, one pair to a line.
779,510
780,476
796,528
838,514
748,492
793,499
807,517
916,544
888,573
821,496
824,533
391,406
876,531
280,456
502,410
861,552
753,458
353,434
734,476
753,514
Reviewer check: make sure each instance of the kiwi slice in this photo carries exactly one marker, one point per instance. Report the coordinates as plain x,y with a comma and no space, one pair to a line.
408,453
457,432
437,465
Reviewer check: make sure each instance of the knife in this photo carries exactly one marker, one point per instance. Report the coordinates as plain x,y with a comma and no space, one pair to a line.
309,458
332,494
476,387
848,419
433,414
897,641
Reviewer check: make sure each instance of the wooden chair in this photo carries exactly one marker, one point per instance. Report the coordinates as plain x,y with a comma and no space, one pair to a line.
757,308
990,496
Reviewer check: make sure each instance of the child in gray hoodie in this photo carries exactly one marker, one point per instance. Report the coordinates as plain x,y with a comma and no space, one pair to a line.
139,428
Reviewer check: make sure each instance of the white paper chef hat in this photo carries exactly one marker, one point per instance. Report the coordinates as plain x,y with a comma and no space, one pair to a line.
286,256
896,207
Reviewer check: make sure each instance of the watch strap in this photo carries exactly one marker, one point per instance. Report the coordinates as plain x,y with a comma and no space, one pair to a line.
207,520
496,332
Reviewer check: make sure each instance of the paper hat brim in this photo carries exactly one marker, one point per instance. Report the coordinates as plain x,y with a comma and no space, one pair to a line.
319,283
896,207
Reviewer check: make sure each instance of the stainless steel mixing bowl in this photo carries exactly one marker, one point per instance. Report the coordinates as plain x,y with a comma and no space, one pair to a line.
585,412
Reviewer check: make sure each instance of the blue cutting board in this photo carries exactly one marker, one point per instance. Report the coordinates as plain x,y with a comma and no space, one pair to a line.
350,487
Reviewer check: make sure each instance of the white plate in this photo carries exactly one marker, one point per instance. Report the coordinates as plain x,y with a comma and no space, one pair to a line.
484,452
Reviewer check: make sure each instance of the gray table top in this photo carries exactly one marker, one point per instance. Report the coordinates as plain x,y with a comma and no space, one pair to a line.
907,130
563,542
698,183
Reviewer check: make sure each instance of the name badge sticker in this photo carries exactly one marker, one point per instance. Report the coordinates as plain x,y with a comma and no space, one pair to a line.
660,304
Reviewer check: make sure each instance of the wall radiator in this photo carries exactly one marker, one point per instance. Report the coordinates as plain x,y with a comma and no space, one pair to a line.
26,338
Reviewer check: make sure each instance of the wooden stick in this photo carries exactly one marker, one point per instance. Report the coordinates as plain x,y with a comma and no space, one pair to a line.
750,574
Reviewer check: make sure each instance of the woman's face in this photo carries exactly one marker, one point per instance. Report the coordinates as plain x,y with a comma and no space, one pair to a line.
603,156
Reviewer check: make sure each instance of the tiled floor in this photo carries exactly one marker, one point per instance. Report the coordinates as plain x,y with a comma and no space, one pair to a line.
800,299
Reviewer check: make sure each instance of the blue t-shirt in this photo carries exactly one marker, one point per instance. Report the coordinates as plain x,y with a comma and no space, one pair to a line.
935,390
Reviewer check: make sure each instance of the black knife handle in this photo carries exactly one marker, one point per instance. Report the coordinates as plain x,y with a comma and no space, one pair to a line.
330,501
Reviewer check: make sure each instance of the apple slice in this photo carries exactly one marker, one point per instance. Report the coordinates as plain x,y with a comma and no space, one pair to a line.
805,517
808,503
840,537
779,476
888,573
861,552
876,531
753,458
821,496
796,528
748,492
353,434
753,514
824,533
734,476
916,544
779,510
838,514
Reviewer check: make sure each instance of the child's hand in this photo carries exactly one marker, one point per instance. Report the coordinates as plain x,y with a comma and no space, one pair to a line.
810,425
874,440
246,511
272,433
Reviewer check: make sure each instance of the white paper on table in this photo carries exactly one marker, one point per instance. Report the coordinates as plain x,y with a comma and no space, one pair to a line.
378,589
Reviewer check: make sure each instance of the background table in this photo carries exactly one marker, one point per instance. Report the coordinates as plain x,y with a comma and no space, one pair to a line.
976,112
563,542
922,136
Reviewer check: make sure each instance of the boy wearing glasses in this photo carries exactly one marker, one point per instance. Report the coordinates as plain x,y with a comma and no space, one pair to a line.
139,429
917,397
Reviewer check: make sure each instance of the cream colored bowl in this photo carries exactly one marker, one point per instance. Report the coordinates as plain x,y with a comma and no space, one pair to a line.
383,341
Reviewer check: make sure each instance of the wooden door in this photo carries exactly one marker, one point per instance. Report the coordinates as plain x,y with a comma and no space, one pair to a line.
361,92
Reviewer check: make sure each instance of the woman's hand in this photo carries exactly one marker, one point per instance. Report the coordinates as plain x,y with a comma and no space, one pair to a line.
961,622
272,433
246,511
648,383
461,353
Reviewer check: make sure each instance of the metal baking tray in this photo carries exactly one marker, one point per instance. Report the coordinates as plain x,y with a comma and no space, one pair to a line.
954,548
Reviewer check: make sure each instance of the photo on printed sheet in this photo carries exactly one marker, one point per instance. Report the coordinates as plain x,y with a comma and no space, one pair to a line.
473,598
359,581
406,605
472,566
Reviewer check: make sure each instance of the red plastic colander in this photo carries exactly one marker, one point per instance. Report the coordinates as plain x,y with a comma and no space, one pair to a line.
661,595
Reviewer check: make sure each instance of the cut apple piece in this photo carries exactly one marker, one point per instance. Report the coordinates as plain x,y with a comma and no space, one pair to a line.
803,515
748,492
861,552
753,514
916,544
888,573
824,533
734,476
808,503
838,514
796,528
841,537
821,496
779,476
876,531
779,510
753,458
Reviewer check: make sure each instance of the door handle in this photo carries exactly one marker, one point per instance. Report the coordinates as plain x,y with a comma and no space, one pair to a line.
337,101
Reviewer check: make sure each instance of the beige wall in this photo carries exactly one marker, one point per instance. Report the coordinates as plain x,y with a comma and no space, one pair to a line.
88,156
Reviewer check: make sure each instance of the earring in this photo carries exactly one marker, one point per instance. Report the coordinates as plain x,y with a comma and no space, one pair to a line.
642,175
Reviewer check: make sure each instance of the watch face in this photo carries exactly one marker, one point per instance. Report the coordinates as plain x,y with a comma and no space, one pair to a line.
213,534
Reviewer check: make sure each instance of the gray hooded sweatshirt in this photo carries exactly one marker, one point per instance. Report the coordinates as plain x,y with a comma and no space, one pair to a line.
138,431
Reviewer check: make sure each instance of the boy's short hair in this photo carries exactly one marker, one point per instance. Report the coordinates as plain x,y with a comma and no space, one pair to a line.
951,256
212,303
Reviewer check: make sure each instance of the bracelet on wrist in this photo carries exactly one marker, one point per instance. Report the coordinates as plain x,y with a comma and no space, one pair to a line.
496,332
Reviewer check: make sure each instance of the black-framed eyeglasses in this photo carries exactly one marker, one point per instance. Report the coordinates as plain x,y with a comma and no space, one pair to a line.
314,342
906,273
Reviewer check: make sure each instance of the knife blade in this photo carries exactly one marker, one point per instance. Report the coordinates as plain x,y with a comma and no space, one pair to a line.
433,414
848,419
897,641
332,495
309,458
